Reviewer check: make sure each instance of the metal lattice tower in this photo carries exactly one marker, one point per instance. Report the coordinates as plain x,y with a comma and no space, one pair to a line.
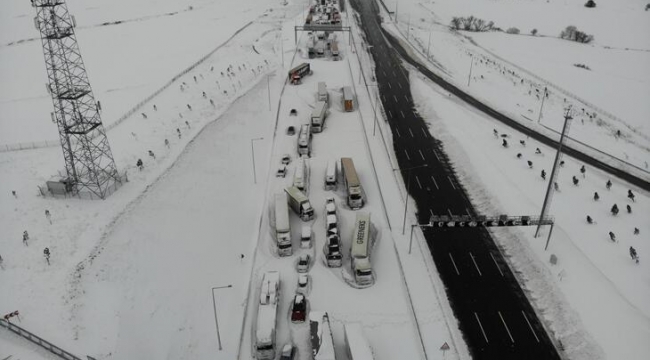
89,162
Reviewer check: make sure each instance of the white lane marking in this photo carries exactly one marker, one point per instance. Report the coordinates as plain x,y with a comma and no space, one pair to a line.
383,97
421,154
407,155
418,180
529,325
424,132
454,263
506,326
449,211
394,74
451,182
395,97
401,112
481,326
389,85
390,113
397,131
436,154
434,182
495,264
467,211
400,85
475,264
411,131
405,98
383,72
431,211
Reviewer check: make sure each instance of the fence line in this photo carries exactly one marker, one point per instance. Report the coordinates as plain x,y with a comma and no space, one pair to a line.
134,109
38,340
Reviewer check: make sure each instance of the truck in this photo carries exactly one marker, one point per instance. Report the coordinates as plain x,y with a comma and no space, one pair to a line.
352,184
318,116
311,51
335,50
348,99
301,175
322,92
267,316
304,140
282,226
331,175
361,249
320,48
299,203
356,343
322,341
296,74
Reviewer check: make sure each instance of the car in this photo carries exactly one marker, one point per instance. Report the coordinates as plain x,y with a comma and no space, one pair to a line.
291,130
282,171
299,309
294,112
330,206
286,159
303,283
303,263
288,352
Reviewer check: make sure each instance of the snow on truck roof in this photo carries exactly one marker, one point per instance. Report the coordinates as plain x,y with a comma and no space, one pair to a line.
322,343
357,343
319,108
295,193
268,305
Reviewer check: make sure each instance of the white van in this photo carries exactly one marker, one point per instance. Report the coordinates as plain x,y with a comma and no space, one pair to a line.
330,175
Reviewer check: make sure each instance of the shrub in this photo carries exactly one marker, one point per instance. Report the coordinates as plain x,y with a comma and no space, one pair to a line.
470,23
533,32
590,4
512,30
647,7
573,34
583,66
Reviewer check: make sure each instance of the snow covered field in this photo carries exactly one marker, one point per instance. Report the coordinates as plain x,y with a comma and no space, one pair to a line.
512,71
132,276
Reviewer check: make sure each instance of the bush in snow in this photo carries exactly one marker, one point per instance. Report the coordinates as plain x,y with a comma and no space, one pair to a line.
533,32
590,4
583,66
512,30
647,7
573,34
470,23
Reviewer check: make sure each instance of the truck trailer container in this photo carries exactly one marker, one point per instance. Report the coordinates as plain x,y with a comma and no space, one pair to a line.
322,92
360,251
301,175
322,341
352,184
318,116
296,74
356,343
282,226
335,50
304,140
348,99
299,203
267,315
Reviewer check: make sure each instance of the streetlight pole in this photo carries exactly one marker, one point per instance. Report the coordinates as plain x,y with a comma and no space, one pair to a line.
214,305
374,109
268,87
471,63
408,186
413,226
253,157
429,42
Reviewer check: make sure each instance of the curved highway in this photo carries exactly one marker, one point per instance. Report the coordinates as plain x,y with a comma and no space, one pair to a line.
495,316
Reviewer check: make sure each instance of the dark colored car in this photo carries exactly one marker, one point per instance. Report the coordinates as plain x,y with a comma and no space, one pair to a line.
291,130
299,309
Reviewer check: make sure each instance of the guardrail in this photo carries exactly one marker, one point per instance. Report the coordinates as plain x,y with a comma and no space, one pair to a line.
38,340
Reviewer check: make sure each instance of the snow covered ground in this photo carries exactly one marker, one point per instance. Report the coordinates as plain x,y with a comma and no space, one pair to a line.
132,276
512,71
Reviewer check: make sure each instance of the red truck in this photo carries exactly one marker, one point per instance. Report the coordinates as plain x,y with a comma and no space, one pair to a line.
296,74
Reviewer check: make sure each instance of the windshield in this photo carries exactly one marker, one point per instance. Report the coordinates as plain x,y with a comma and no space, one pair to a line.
364,272
284,246
355,196
265,347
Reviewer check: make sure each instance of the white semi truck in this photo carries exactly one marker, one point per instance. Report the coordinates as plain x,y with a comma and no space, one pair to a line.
361,249
299,203
301,175
318,116
267,315
304,140
282,226
352,184
322,341
322,92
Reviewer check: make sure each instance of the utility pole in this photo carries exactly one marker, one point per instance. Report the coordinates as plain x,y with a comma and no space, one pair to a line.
253,157
549,189
471,62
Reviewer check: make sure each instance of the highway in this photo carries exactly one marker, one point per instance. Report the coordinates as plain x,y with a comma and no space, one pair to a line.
496,319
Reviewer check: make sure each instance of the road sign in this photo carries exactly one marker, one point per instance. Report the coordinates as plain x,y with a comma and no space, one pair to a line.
444,347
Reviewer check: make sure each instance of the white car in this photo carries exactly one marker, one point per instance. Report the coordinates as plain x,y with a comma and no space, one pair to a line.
303,283
303,263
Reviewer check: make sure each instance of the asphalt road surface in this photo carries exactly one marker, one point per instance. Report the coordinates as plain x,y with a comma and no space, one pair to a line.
495,317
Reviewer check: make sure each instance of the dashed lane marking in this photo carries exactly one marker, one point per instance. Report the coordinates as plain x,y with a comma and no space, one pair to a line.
389,85
390,114
529,325
397,131
475,264
451,182
436,154
401,112
411,131
449,211
424,132
481,326
506,326
454,263
435,183
418,180
407,155
395,97
421,154
495,264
